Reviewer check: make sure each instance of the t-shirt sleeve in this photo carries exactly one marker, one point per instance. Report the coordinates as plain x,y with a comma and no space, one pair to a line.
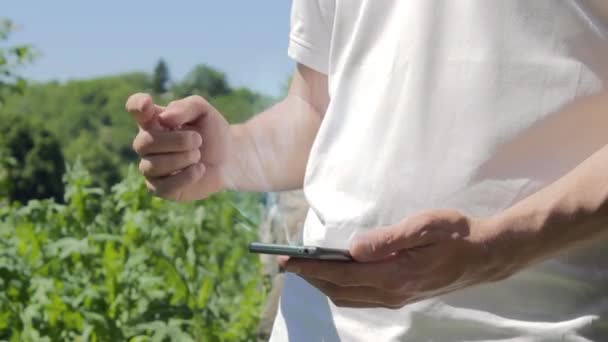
310,34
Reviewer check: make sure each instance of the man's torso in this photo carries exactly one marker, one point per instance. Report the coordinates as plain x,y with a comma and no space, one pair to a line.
453,104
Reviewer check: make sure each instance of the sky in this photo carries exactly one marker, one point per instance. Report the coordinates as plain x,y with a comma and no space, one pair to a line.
81,39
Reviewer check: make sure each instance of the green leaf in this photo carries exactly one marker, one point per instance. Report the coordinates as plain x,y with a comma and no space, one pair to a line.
204,293
67,246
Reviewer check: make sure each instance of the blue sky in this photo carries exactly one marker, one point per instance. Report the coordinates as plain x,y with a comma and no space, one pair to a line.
80,39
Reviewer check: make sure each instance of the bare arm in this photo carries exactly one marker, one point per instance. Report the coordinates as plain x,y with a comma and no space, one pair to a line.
189,151
565,214
440,251
270,151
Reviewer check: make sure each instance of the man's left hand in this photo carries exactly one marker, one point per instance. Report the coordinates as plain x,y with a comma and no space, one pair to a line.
421,257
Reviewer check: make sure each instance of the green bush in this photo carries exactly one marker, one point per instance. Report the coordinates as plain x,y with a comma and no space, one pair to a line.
127,266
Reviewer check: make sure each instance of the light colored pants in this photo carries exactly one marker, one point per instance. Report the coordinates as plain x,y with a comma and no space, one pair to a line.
282,224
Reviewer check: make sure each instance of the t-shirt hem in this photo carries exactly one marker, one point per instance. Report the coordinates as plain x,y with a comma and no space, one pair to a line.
302,52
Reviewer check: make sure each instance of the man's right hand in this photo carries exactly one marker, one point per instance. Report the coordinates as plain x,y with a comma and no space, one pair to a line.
183,147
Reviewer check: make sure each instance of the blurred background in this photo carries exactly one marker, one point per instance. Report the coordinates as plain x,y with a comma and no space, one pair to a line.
86,254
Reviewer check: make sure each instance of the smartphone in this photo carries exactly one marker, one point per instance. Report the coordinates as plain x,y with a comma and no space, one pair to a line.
308,252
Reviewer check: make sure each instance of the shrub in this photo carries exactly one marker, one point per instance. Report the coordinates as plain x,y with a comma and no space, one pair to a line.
124,265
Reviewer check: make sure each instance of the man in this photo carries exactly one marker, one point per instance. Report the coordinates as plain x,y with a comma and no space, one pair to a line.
458,148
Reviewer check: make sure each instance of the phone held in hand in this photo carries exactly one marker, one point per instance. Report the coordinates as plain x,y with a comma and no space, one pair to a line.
307,252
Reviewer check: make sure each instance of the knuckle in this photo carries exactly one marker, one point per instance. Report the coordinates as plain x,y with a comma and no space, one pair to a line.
427,220
145,166
194,156
446,216
454,215
142,142
197,100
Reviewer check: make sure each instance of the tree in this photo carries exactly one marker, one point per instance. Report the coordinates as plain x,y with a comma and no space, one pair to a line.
10,59
202,80
161,77
240,104
88,118
34,164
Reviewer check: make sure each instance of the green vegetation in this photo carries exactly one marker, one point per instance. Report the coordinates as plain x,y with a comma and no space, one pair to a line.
33,160
89,119
161,78
87,254
123,265
11,58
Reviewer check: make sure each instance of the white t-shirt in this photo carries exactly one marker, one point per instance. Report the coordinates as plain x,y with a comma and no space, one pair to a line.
450,104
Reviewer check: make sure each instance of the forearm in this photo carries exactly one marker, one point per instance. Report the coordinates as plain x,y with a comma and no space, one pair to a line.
270,151
564,215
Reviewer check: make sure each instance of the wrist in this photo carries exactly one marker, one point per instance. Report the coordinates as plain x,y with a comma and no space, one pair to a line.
515,240
231,168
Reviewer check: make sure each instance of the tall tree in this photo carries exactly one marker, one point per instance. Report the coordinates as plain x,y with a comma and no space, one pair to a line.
203,80
161,77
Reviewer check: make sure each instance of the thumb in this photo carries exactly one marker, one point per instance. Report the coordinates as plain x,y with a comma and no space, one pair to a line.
144,110
184,111
381,243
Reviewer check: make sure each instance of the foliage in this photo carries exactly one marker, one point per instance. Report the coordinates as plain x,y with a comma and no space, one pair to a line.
124,265
104,162
241,104
202,80
111,263
32,165
160,77
11,58
90,121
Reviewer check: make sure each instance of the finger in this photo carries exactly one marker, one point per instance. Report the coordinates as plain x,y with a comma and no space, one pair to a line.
153,142
343,273
412,232
358,294
144,110
173,187
159,165
282,260
181,112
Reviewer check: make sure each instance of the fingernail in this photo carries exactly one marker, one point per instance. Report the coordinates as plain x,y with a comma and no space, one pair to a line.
198,139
